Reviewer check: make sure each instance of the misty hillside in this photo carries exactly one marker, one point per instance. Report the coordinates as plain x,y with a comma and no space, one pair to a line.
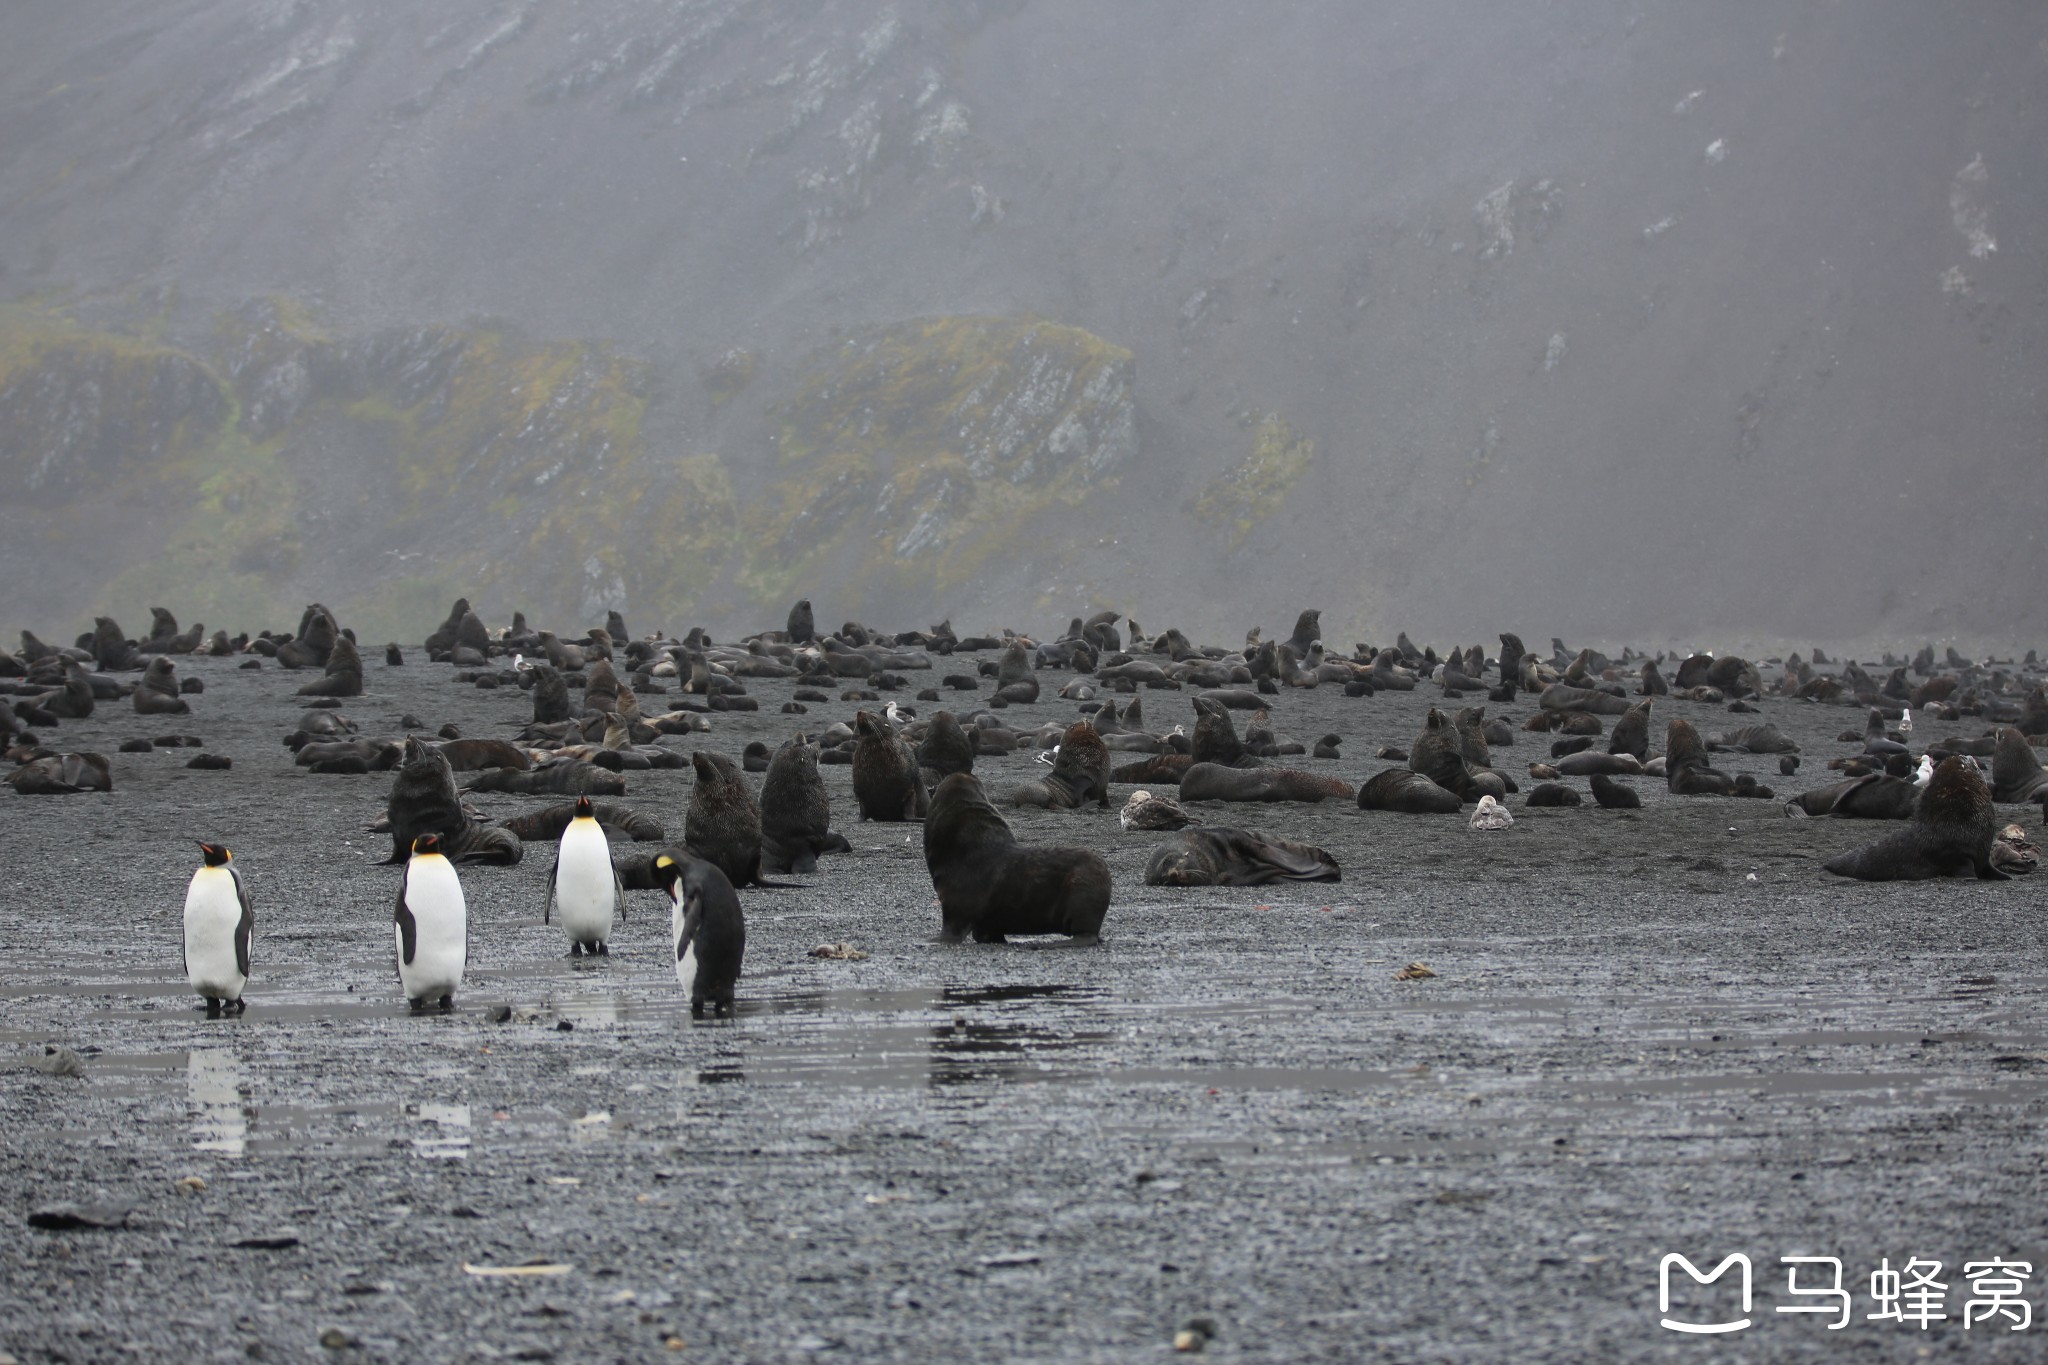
1662,321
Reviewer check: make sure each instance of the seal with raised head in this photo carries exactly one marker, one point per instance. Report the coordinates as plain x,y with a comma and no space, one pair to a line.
991,886
1406,793
344,672
423,800
1213,855
796,811
1015,682
1080,770
1950,835
886,785
723,824
1438,755
157,693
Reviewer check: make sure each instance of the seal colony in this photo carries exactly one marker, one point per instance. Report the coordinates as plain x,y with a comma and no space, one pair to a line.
605,705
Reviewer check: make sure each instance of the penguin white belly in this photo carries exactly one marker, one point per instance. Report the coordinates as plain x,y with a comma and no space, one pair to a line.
686,965
441,931
583,884
213,911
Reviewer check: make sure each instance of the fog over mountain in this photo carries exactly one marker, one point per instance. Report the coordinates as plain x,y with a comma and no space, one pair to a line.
1657,321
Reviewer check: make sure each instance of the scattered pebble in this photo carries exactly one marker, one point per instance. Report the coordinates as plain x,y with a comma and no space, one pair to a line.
1414,971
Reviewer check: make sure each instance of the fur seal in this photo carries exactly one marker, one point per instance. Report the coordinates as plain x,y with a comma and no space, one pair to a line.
1561,697
2013,853
1408,793
1612,795
555,777
1210,855
945,750
1686,769
2016,775
801,626
1215,782
886,785
1438,754
1215,739
314,642
723,823
1016,684
619,822
62,775
796,811
344,673
1545,794
424,801
1080,770
157,693
1872,796
991,886
1632,732
1950,836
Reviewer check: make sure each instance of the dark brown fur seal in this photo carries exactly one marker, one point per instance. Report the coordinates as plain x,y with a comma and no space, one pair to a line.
991,886
1686,769
1950,836
1215,782
63,775
723,823
1216,738
796,811
1632,732
1872,796
1165,770
2016,773
1079,771
344,675
886,785
1560,697
423,800
546,825
1015,682
1438,755
1552,794
1612,795
310,648
556,777
1208,855
157,693
1407,793
946,749
476,755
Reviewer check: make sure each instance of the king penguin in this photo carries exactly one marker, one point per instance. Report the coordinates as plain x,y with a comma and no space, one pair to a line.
219,927
709,931
432,926
583,885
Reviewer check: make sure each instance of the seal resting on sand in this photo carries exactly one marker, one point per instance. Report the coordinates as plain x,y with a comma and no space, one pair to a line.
1950,836
990,885
1208,855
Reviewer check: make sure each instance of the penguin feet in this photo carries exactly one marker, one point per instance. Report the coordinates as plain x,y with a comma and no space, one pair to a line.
447,1003
697,1007
212,1008
604,949
418,1003
575,947
239,1005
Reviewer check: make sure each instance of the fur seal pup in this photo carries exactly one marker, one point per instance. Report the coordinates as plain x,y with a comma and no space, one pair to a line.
885,781
1753,739
991,886
723,824
1611,795
157,693
1211,855
344,673
1950,836
583,885
423,800
707,931
219,929
1549,794
1215,782
1406,793
430,926
1147,811
796,811
73,700
1439,755
619,822
2016,774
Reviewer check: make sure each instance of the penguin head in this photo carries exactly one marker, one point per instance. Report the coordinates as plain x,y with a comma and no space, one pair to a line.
426,844
584,810
668,870
217,855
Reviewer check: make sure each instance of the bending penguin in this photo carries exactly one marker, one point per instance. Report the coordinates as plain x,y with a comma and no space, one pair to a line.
708,930
219,927
583,884
432,926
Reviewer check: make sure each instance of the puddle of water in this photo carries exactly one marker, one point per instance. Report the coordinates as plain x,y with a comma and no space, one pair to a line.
448,1137
213,1088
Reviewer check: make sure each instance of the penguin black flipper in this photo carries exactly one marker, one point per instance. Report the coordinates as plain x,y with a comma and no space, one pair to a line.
245,928
408,929
693,918
547,895
618,893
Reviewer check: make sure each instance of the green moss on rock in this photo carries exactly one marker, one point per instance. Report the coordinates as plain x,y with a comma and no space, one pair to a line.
1256,486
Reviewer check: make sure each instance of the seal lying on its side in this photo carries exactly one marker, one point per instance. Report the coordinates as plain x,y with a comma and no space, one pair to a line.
1409,793
1872,796
990,885
1214,782
1950,836
546,824
1208,855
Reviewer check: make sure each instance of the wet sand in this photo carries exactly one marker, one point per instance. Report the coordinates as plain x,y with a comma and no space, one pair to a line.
1660,1031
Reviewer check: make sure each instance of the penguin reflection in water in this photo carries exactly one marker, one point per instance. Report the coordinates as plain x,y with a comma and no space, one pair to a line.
432,926
708,930
584,886
219,927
